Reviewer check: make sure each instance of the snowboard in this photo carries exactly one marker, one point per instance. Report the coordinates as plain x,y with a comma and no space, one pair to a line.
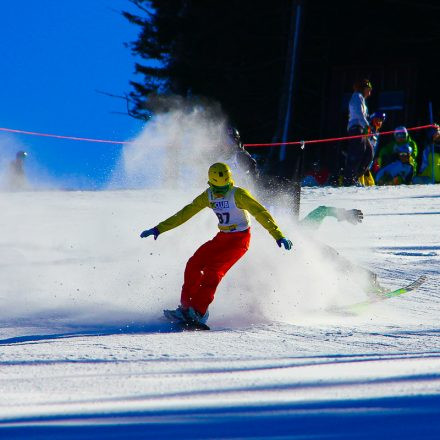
360,306
184,325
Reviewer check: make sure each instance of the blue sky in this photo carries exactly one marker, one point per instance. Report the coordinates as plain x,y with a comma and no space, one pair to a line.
56,54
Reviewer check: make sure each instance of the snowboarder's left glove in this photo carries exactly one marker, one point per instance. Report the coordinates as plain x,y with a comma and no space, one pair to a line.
285,242
153,231
353,216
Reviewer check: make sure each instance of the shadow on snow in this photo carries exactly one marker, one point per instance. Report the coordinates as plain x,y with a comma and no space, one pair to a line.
414,417
128,329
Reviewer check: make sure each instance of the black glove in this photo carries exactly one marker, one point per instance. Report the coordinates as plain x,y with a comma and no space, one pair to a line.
353,216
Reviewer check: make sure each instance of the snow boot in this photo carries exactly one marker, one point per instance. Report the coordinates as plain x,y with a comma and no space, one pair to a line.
187,316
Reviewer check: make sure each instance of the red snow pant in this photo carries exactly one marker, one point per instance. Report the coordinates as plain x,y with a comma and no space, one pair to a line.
209,264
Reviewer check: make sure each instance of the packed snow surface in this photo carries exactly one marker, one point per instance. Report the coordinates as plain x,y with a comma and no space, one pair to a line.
85,352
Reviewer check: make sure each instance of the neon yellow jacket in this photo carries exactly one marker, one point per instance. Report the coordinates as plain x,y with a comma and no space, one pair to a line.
243,200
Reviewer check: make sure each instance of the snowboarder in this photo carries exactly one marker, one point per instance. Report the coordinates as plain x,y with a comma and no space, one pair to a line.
354,216
206,268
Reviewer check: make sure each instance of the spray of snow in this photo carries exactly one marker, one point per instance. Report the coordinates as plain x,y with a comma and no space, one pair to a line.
174,150
77,257
8,147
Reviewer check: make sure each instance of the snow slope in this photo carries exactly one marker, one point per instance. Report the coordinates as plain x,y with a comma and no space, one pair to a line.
85,353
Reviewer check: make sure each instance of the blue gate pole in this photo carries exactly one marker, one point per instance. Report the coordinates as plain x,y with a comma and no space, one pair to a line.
431,121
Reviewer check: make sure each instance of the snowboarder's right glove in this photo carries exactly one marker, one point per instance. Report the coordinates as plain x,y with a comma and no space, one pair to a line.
285,242
353,216
153,231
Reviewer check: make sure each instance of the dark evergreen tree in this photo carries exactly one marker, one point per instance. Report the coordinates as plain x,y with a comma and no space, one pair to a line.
232,52
157,47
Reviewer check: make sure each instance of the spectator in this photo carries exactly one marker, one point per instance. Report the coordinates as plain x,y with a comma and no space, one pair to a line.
430,166
397,172
376,121
16,176
387,154
359,152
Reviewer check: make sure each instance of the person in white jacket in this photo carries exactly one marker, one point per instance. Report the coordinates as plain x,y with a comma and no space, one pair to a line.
359,152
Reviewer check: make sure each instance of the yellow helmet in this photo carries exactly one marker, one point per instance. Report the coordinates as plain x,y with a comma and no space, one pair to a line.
220,174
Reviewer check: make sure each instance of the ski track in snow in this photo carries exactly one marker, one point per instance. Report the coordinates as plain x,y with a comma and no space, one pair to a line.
85,353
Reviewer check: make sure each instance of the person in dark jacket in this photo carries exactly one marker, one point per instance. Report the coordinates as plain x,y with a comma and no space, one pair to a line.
232,152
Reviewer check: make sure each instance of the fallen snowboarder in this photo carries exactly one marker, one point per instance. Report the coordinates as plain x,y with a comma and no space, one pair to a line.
354,216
